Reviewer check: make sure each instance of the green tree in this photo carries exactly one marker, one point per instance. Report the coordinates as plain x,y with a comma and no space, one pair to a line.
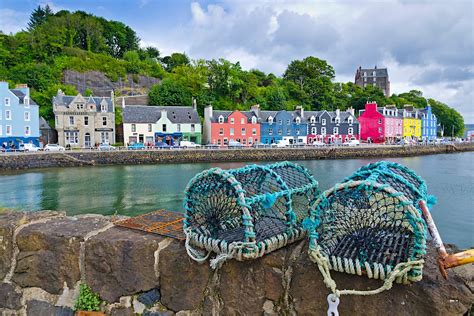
39,16
170,92
133,60
449,120
175,60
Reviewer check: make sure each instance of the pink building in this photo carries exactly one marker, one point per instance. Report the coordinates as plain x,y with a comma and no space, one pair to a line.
222,127
372,124
393,123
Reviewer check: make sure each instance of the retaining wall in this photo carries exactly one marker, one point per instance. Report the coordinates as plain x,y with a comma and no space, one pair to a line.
44,256
11,161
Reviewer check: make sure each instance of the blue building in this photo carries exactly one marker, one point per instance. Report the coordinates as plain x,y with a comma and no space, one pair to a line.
429,124
275,125
19,116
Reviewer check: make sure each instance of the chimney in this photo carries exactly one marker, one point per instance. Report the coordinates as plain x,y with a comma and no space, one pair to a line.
256,109
208,112
123,102
23,87
194,104
338,112
351,111
164,113
301,109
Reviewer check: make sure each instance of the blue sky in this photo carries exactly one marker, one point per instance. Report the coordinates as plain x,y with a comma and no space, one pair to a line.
426,45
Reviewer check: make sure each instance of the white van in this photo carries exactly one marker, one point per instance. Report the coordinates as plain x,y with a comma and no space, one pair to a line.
29,147
188,144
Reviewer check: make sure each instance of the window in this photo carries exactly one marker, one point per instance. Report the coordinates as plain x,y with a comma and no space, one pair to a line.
27,116
193,128
323,121
103,108
323,131
314,130
221,131
150,128
297,131
71,120
338,120
250,141
26,102
254,131
270,120
242,121
56,120
244,141
225,141
373,73
380,130
350,120
104,121
298,120
365,74
8,114
134,128
8,130
219,142
231,131
86,121
7,101
270,131
280,122
312,119
333,119
380,121
221,119
71,138
254,120
104,137
288,132
287,122
350,131
279,131
232,120
163,127
243,131
27,131
335,130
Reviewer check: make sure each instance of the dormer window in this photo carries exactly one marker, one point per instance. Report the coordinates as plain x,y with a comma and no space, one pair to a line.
323,121
350,120
313,119
338,120
270,120
221,119
298,120
254,120
103,108
7,101
242,121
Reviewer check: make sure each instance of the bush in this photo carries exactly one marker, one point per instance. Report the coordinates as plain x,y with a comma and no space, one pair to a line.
87,300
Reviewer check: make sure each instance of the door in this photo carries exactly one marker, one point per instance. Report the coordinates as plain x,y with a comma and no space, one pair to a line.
87,140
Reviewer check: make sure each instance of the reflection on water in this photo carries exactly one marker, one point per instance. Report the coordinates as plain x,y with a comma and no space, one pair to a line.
132,190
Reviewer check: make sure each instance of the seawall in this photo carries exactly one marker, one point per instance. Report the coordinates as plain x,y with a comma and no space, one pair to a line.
11,161
44,256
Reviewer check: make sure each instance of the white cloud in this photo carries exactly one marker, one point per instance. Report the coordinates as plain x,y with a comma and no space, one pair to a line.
12,21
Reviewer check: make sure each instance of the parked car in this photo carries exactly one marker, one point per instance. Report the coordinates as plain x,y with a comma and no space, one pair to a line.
136,146
352,142
162,145
106,147
212,146
188,144
54,147
29,147
235,144
319,143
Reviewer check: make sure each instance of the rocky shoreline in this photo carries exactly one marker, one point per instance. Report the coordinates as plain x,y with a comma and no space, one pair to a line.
45,256
93,158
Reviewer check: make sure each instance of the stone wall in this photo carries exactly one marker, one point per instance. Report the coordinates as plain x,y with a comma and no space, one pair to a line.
44,256
11,161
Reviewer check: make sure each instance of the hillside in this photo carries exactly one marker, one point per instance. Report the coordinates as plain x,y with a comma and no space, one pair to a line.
77,51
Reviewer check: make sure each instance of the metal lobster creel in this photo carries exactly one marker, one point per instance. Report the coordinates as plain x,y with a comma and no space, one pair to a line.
247,212
364,227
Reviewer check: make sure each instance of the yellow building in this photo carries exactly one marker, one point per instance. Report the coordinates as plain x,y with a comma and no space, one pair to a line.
411,123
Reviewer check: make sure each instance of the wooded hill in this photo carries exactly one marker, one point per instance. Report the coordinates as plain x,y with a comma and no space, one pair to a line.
54,42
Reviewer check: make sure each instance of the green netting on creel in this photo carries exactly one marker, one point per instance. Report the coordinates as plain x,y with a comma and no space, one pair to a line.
365,227
397,176
249,211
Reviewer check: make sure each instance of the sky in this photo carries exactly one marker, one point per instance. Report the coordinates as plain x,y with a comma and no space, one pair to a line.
426,45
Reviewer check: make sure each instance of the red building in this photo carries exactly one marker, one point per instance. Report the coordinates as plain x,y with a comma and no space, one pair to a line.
222,127
372,124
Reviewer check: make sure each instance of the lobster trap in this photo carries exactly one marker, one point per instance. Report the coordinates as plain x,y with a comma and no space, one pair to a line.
247,212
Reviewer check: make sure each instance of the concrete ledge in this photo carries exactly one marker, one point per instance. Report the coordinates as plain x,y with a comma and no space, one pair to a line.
148,274
11,161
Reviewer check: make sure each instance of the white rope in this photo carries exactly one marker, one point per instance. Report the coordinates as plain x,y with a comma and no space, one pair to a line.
195,254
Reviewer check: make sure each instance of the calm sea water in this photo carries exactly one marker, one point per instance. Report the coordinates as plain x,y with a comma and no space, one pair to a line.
132,190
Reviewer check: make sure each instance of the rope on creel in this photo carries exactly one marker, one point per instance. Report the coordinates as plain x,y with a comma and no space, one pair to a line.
195,254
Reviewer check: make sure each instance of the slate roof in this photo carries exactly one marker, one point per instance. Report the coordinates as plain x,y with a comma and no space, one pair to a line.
151,114
65,100
43,124
22,96
225,114
379,72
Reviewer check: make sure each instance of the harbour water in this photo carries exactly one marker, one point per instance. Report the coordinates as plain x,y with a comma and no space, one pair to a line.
132,190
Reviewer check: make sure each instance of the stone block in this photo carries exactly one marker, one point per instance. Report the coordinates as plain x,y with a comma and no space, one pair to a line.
49,252
9,297
149,298
121,262
40,308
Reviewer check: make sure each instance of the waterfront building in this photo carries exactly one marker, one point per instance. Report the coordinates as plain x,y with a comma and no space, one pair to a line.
429,124
411,123
48,134
276,125
469,131
393,123
331,126
19,116
158,125
373,76
222,127
84,121
372,124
